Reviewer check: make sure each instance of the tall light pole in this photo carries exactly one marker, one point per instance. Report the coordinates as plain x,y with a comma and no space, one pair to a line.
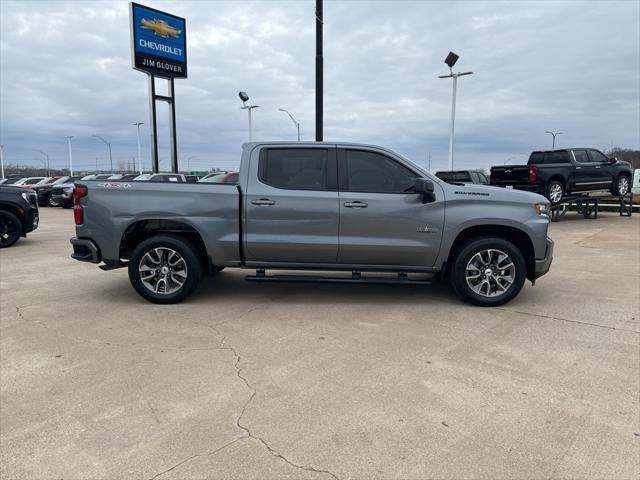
69,137
47,156
1,161
293,120
451,60
108,145
245,98
137,124
189,162
554,134
319,74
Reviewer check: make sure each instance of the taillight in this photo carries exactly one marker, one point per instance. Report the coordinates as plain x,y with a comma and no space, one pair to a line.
533,173
78,212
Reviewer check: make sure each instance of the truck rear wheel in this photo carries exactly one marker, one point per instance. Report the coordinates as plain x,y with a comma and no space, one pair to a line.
555,191
165,269
488,271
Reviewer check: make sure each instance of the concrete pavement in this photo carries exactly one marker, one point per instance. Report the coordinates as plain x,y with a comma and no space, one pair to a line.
249,380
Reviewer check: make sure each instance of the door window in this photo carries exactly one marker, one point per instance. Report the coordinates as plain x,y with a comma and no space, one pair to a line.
373,172
581,156
295,168
597,157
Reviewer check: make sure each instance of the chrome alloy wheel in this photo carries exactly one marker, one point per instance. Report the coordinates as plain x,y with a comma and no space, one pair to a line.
623,185
555,193
490,273
162,270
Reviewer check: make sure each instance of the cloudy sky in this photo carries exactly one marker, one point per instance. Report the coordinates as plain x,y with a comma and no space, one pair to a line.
542,65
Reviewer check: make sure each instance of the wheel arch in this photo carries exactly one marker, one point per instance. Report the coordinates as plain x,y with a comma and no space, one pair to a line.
20,215
519,238
140,230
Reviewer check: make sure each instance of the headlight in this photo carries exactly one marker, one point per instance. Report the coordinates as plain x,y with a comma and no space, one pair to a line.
542,209
25,195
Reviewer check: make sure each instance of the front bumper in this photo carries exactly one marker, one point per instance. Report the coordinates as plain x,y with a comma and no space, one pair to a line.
85,250
544,264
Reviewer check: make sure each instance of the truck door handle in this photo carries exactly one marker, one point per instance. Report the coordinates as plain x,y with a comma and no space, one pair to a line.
598,166
263,201
578,168
356,204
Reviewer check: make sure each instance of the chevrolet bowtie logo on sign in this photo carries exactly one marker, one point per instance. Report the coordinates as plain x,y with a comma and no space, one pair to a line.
158,41
160,28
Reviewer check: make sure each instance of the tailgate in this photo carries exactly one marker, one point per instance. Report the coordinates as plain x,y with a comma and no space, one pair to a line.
509,174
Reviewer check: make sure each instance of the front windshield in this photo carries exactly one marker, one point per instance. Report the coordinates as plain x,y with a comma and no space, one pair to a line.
60,180
144,176
88,177
43,181
214,179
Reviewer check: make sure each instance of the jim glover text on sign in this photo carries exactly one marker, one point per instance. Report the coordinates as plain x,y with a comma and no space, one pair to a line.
159,44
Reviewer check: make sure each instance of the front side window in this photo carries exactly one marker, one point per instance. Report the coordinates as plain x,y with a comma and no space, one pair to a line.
374,172
295,168
597,157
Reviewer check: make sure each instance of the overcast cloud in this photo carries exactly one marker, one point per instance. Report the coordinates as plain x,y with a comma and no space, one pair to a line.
544,65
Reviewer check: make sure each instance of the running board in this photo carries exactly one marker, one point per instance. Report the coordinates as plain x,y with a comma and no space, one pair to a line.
113,266
356,277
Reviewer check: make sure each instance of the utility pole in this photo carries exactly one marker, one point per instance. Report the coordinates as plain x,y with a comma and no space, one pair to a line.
69,137
554,134
47,156
137,124
293,120
429,167
319,73
245,98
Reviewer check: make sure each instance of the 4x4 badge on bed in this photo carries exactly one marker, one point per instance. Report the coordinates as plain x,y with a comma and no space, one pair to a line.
427,229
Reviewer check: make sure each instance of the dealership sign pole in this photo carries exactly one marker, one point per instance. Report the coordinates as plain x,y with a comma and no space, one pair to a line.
159,48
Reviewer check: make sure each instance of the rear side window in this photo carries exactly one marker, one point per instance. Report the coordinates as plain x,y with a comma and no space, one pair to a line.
581,156
295,168
377,173
556,157
536,158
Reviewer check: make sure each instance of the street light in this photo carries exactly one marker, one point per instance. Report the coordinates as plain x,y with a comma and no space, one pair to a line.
189,162
451,60
108,145
137,124
293,120
245,98
69,137
1,161
40,151
554,134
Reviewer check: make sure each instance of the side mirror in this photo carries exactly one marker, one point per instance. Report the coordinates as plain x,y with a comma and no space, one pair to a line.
424,187
613,160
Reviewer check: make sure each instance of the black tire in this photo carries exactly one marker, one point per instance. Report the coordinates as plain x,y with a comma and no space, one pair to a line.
192,268
555,191
10,229
216,270
463,258
51,202
621,186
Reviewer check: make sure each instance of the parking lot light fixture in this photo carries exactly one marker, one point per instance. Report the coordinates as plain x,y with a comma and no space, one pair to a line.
293,120
1,161
554,135
69,137
108,145
137,124
245,98
47,157
451,60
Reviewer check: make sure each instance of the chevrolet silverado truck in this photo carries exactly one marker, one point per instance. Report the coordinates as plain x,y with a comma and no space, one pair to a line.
18,214
316,207
557,173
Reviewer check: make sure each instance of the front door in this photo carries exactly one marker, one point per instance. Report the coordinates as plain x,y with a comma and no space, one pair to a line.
382,221
590,171
291,206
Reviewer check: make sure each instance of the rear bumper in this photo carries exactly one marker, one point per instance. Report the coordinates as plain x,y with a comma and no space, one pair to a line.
85,250
544,264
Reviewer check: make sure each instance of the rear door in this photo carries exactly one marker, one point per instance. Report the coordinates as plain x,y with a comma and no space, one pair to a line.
382,221
291,206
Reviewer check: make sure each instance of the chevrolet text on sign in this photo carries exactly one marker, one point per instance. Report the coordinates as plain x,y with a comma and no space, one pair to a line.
158,41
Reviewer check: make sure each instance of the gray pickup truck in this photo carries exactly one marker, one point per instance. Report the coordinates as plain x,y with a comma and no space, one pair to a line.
316,207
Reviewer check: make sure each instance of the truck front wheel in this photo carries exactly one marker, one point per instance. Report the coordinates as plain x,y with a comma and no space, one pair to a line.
165,269
488,271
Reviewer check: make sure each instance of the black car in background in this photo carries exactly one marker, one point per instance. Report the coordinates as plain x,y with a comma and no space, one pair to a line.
44,191
558,173
62,194
463,176
18,214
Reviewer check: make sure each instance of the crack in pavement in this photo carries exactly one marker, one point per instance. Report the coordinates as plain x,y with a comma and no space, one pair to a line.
207,454
550,317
